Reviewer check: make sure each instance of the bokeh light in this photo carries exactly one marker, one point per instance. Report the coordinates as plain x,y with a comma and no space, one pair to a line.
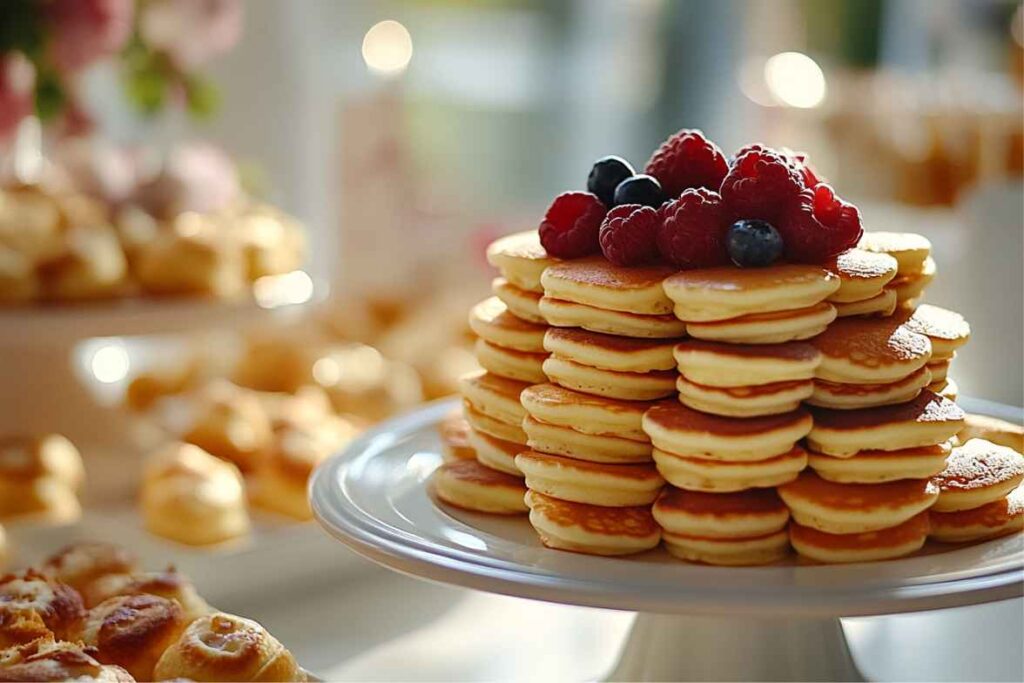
110,364
795,80
387,48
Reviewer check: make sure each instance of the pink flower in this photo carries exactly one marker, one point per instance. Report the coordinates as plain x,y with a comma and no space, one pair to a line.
86,30
17,83
191,32
195,177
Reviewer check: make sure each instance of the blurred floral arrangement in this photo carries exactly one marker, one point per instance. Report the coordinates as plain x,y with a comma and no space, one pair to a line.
46,46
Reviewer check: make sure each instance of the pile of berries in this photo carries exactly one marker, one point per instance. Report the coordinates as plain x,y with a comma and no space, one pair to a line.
693,208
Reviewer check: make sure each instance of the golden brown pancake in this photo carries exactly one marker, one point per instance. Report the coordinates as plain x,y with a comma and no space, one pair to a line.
978,473
495,396
909,288
495,453
594,281
939,370
946,329
711,294
521,259
603,448
585,413
454,432
872,467
522,303
716,364
492,427
997,431
610,352
678,429
751,401
926,420
754,512
853,396
628,386
592,529
491,320
867,546
775,327
521,366
947,387
909,249
870,351
992,520
882,305
592,483
718,476
862,274
561,313
469,485
853,508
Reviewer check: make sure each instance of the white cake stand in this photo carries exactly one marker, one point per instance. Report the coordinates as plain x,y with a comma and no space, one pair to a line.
695,623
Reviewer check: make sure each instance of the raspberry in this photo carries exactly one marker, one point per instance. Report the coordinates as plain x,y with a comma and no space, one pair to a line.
693,230
687,159
571,224
760,184
629,235
819,225
796,160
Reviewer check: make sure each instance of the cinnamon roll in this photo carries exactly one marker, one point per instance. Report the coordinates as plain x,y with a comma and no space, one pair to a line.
133,631
223,647
81,564
33,606
169,584
45,659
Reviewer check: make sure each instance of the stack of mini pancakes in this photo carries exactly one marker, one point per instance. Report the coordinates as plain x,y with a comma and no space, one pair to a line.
589,466
481,445
915,266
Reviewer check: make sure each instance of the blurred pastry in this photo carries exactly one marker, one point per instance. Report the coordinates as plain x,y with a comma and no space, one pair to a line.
191,256
361,382
308,405
231,424
192,497
39,476
272,242
169,584
5,551
92,266
992,429
136,228
19,281
977,473
30,223
223,647
133,631
80,565
46,659
591,529
146,388
472,486
33,606
455,438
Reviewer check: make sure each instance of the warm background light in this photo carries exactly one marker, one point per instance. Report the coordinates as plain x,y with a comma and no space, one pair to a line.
387,47
795,80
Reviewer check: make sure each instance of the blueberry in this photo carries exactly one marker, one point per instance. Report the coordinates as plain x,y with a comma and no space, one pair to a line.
640,189
605,176
753,243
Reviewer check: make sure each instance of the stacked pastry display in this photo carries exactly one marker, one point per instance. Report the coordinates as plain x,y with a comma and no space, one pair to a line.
40,478
89,613
809,403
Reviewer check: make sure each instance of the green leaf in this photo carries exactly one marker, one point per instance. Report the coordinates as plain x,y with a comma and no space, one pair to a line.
202,96
50,95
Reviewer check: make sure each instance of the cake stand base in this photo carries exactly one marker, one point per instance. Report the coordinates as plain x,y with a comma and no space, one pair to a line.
666,647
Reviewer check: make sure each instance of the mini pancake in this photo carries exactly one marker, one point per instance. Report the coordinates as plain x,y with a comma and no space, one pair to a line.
497,397
762,399
999,518
585,413
592,529
940,370
628,386
496,428
454,432
862,274
718,476
853,508
855,396
521,259
997,431
596,282
602,448
768,328
911,287
678,429
521,366
592,483
728,552
882,304
491,320
870,351
755,512
610,352
522,303
926,420
947,330
495,453
469,485
946,387
868,546
872,467
978,473
714,294
740,365
561,313
909,249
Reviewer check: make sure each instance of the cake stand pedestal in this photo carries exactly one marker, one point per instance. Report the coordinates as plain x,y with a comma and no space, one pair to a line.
695,622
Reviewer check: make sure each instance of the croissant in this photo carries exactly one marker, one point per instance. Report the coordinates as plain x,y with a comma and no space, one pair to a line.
223,647
32,606
169,584
45,659
81,564
133,631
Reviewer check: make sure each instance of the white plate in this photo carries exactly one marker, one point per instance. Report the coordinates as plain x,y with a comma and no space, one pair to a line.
374,499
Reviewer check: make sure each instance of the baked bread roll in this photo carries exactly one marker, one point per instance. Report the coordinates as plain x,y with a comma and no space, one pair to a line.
45,659
191,256
223,647
80,565
92,266
39,476
133,631
230,423
33,606
191,497
169,584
